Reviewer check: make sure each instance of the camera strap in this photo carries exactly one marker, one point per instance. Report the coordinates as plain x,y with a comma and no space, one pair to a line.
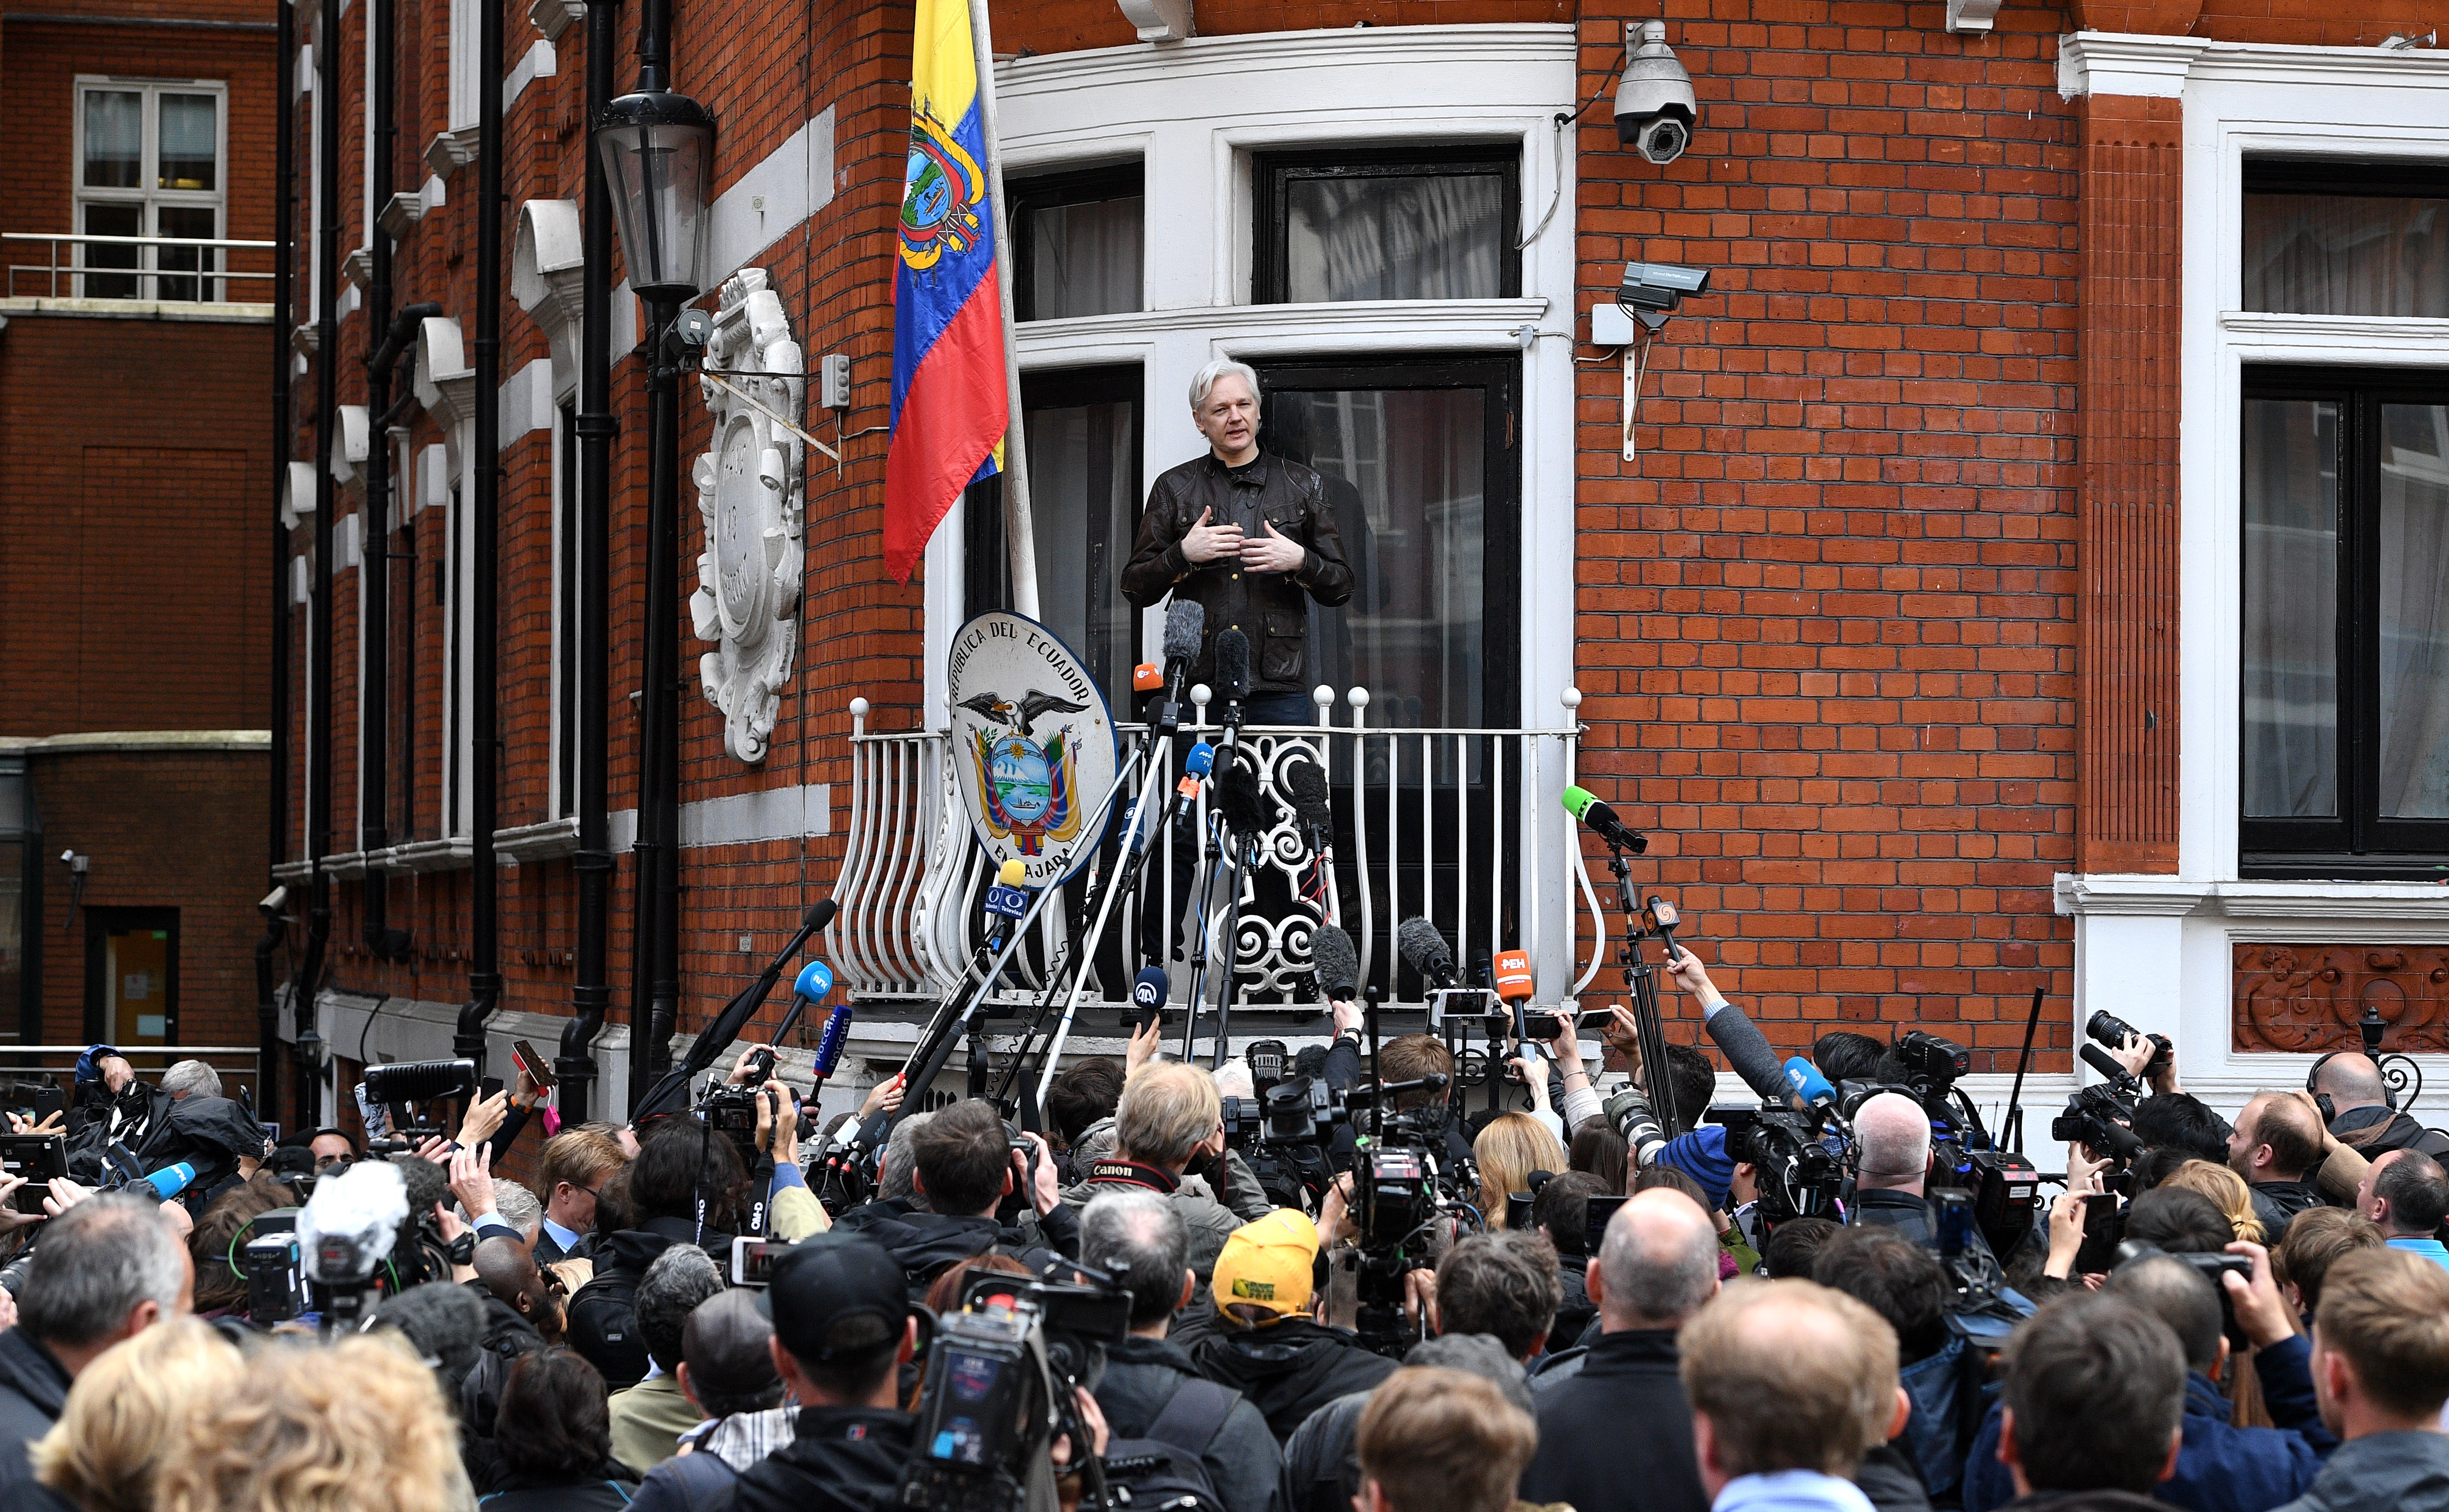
1131,1172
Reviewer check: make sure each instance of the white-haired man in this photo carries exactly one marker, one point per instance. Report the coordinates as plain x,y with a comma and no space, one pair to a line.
1892,1140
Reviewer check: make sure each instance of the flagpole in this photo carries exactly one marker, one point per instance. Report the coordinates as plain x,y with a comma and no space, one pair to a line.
1019,534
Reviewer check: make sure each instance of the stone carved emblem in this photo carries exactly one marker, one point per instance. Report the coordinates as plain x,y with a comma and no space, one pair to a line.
752,493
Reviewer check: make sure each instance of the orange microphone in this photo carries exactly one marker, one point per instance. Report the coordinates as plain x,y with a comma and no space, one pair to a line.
1514,982
1147,677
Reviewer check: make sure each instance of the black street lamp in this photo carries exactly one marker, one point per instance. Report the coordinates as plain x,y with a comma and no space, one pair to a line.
657,150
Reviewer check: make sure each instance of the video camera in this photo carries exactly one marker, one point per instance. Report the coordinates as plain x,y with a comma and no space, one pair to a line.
2098,1118
1003,1379
393,1085
730,1109
1800,1176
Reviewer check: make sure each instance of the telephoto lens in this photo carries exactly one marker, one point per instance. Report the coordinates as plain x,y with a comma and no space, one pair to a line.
2112,1032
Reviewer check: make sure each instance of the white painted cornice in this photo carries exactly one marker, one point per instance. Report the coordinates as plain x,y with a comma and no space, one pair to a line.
548,261
1379,325
2126,895
2129,64
1279,53
445,385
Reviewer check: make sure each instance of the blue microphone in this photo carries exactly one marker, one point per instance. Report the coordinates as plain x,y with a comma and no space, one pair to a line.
1195,766
1810,1088
1148,991
816,981
171,1179
829,1044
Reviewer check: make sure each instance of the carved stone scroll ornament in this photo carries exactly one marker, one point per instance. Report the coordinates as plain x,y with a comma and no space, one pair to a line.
2306,998
751,493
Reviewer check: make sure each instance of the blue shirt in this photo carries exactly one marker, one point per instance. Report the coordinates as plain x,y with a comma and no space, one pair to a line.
2430,1249
567,1238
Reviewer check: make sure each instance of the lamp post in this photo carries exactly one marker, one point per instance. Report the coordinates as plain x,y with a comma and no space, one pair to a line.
657,150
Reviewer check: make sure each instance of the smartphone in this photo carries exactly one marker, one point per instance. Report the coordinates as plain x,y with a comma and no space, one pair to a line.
539,1071
1954,1206
1594,1229
38,1157
487,1087
752,1260
2104,1230
1539,1023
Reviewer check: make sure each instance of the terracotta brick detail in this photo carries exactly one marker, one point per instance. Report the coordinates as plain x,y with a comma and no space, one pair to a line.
2303,998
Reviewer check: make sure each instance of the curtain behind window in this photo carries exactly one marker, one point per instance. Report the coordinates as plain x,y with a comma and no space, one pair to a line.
1408,236
2291,608
2314,254
2414,551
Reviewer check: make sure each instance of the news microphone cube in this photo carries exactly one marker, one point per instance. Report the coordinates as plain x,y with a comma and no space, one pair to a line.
1147,677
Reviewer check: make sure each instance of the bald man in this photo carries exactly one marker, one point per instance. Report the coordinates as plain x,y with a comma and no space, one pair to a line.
2360,1113
519,1298
2275,1144
1892,1177
1656,1266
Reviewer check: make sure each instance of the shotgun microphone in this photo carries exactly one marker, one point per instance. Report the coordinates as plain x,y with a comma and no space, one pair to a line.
1424,951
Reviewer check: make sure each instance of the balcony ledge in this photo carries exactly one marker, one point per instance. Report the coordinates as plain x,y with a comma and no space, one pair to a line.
179,309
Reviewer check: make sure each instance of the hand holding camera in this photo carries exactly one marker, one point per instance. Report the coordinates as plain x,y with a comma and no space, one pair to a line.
2261,1311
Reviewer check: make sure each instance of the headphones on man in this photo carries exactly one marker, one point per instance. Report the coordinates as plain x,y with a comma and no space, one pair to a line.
2322,1099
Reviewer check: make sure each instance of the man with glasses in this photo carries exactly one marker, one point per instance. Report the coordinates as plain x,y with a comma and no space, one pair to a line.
576,1165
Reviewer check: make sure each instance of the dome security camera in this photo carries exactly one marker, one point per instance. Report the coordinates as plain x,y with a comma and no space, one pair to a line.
1655,108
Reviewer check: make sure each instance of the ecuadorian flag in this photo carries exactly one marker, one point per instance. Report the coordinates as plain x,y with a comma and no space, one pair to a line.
950,403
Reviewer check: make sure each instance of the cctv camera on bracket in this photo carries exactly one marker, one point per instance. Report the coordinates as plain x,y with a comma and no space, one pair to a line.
1655,108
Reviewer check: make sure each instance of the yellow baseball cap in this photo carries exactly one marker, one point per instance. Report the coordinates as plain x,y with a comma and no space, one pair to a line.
1266,1264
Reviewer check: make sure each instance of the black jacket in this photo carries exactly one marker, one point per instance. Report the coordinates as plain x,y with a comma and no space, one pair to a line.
33,1389
604,1314
2276,1203
1290,1369
1889,1478
1575,1311
596,1493
2374,1131
843,1459
1269,608
1617,1437
2382,1472
1910,1216
1140,1377
926,1245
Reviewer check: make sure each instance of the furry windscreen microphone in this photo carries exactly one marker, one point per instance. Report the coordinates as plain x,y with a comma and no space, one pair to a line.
1338,964
1246,808
1232,665
1186,624
1424,951
1305,784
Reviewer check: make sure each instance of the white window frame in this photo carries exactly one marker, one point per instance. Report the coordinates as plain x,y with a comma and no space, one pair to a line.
151,199
2158,950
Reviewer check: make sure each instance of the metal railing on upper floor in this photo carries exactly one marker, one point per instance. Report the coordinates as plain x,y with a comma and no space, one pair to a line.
174,270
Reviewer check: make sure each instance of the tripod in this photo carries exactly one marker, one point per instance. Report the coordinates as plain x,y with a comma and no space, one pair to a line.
1641,981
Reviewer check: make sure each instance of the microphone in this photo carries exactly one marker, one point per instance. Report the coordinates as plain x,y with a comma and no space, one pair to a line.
837,1029
1005,899
1584,805
819,916
816,981
1338,964
1186,625
1195,767
1424,951
1513,981
1747,1053
1809,1086
350,1223
2118,1076
1246,808
1147,677
1232,673
171,1179
1148,990
1305,784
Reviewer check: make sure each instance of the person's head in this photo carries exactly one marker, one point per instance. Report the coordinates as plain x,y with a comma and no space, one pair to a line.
517,1206
1136,1235
2351,1081
679,1279
1789,1376
2227,1191
1842,1055
1508,1150
2180,1296
127,1412
575,1165
1263,1274
1598,1148
1655,1177
897,1176
1899,1280
1690,1080
1224,406
1169,1115
2406,1192
330,1147
1562,1211
2315,1240
727,1356
190,1078
1410,1057
944,1294
2276,1138
106,1270
1657,1263
1794,1247
842,1318
1083,1093
1503,1285
1893,1135
613,1210
1436,1440
2179,1221
220,1284
681,1162
2381,1343
964,1159
2181,1121
444,1323
2095,1392
553,1426
354,1425
506,1270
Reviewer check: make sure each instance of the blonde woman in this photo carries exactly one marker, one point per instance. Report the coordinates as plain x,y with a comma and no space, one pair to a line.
2225,1188
128,1412
1513,1146
358,1425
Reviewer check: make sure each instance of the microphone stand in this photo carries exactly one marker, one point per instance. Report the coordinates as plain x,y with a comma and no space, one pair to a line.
1641,981
752,996
1214,854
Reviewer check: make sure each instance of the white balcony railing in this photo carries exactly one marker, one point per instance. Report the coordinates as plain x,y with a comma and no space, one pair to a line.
1462,827
173,270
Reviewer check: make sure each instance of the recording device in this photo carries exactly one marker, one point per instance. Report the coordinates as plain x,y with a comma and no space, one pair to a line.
1003,1376
2113,1072
1148,992
171,1180
1515,982
1195,766
1186,625
1305,783
419,1081
36,1099
275,1272
816,982
1804,1079
1653,290
345,1231
1337,964
1629,1112
1798,1176
1518,1207
1232,673
1424,948
1006,898
752,1259
40,1159
1655,107
2113,1031
1952,1207
1269,1060
539,1070
2095,1119
1929,1058
1242,802
1601,820
1146,676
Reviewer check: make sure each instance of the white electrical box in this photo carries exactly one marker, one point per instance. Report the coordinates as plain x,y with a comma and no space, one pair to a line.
832,381
1610,325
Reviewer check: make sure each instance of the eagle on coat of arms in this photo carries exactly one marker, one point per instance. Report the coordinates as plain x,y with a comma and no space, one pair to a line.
1030,785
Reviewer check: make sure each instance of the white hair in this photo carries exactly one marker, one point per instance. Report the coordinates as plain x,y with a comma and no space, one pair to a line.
1894,1134
1222,367
192,1077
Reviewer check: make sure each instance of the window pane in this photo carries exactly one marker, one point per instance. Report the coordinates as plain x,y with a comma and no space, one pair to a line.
1406,475
2412,547
113,221
13,858
190,141
114,139
1083,502
2291,608
188,221
1085,258
1409,237
2318,254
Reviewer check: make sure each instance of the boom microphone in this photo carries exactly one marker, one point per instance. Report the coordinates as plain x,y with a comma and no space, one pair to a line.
1424,951
1585,805
1232,671
419,1081
1186,625
1304,782
1246,808
1338,964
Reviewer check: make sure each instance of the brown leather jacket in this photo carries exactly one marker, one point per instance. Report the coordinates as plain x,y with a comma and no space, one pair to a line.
1267,607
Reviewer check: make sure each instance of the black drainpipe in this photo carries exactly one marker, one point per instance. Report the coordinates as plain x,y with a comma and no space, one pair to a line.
373,675
276,921
591,996
319,643
484,957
